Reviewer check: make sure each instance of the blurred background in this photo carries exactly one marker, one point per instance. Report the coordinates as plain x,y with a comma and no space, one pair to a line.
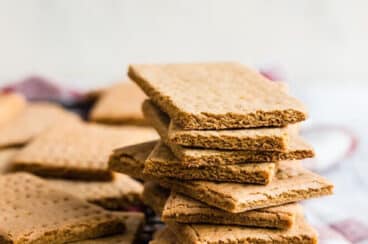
318,47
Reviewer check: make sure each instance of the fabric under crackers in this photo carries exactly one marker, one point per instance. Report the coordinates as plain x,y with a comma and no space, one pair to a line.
297,147
119,194
34,212
162,163
291,183
77,150
300,233
35,119
216,95
11,105
130,160
120,104
133,223
183,209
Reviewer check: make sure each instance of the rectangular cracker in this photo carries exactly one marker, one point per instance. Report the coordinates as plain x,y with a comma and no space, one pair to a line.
216,95
119,194
182,209
155,196
34,212
11,105
120,104
164,236
291,183
130,160
162,163
36,118
261,139
77,150
6,157
133,222
301,232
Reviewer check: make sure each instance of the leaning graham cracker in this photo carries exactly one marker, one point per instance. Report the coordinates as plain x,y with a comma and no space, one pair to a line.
216,95
11,105
291,183
162,163
77,150
301,232
155,196
133,223
164,236
120,104
130,160
6,156
261,139
34,212
182,209
36,118
297,148
119,194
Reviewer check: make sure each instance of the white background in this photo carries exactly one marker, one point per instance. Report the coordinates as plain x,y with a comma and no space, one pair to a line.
88,43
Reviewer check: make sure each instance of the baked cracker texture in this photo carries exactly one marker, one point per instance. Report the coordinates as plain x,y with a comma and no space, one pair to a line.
299,233
164,236
34,212
120,104
182,209
162,163
291,183
216,95
78,150
130,160
133,222
297,148
155,196
11,105
119,194
36,118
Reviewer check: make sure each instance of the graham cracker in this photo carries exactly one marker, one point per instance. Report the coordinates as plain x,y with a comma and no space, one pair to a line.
217,95
291,183
133,222
301,232
182,209
164,236
130,160
155,196
119,194
120,104
162,163
36,118
34,212
77,150
11,105
6,156
297,148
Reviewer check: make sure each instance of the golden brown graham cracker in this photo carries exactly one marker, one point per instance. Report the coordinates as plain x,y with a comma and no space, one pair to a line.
162,163
291,183
34,212
77,150
130,160
183,209
164,236
297,147
120,104
36,118
299,233
11,105
119,194
216,95
155,196
261,139
133,222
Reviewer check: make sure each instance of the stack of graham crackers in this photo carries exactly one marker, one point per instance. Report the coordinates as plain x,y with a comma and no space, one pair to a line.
226,169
